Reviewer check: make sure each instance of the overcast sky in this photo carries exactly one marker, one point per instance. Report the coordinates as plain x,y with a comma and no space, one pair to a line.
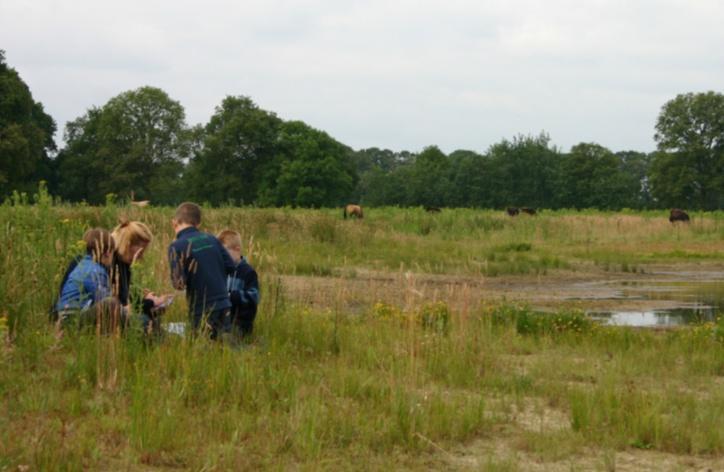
391,74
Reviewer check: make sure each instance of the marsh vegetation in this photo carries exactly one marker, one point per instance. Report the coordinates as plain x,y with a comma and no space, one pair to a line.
430,373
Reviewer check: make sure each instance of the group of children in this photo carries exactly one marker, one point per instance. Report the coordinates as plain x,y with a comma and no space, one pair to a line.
222,288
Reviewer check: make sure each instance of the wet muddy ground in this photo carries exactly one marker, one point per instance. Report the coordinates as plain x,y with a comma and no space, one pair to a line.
661,296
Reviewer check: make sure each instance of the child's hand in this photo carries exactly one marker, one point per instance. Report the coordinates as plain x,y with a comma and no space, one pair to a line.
164,299
138,255
152,296
160,302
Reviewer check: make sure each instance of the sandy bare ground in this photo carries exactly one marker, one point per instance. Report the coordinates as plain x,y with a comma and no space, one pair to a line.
509,447
483,454
592,290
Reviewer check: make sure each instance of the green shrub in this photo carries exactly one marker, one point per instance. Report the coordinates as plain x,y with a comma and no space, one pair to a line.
434,316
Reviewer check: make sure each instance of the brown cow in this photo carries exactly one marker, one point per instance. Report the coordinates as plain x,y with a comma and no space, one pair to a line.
432,209
530,211
678,215
353,210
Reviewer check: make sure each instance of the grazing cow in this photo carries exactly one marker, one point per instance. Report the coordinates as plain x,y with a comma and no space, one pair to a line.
353,210
530,211
432,209
678,215
512,211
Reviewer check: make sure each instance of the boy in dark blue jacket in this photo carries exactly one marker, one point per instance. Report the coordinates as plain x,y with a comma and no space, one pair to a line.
200,264
243,286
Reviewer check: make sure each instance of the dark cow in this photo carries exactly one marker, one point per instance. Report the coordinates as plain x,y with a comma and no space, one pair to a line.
678,215
529,211
512,211
432,209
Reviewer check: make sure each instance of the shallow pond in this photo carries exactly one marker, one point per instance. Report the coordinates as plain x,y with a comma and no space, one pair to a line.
691,302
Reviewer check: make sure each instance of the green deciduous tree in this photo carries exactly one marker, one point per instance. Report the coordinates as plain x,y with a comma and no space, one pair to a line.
471,180
138,142
311,169
674,181
377,171
592,177
26,134
82,172
689,169
523,171
635,187
383,159
236,151
429,184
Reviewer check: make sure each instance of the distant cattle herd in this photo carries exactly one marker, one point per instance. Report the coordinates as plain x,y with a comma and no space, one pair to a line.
674,216
356,210
514,211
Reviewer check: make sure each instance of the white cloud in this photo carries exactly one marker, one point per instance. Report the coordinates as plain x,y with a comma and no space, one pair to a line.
397,74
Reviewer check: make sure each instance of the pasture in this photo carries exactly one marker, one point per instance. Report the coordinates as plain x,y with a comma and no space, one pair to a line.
404,340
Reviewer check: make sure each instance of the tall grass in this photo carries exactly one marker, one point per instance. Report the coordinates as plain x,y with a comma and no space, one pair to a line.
317,387
399,385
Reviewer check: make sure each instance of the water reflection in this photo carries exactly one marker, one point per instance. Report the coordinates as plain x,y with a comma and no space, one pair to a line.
698,302
656,318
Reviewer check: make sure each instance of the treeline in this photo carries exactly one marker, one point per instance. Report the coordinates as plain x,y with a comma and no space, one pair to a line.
526,171
139,142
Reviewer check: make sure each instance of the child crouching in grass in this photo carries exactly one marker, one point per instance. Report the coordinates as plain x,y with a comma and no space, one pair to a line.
132,238
85,298
243,286
200,264
71,265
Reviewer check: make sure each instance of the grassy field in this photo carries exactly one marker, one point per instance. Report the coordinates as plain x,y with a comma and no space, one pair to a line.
412,383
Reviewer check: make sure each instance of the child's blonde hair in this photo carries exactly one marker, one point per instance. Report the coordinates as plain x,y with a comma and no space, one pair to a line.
230,239
130,233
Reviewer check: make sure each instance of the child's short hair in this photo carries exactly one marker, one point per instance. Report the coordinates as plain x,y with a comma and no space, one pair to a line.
98,241
188,213
129,233
230,239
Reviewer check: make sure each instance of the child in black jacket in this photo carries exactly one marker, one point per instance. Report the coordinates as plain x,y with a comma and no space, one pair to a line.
200,264
243,286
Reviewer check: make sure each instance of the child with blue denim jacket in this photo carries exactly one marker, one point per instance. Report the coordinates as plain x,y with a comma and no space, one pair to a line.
243,286
86,293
